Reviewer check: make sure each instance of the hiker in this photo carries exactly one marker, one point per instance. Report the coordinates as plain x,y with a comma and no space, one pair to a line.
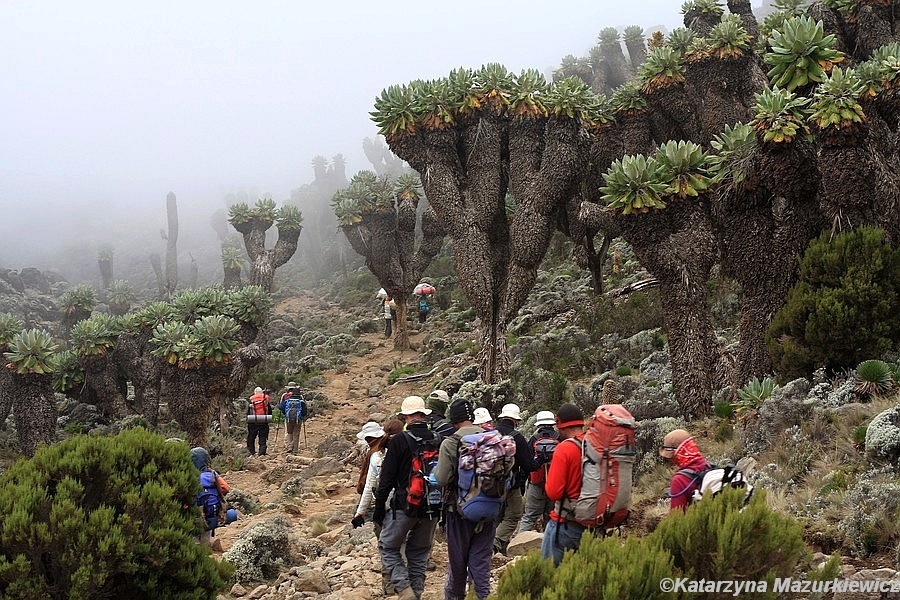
509,418
544,443
211,498
409,520
424,308
564,481
389,316
483,419
438,400
259,413
469,543
679,447
293,406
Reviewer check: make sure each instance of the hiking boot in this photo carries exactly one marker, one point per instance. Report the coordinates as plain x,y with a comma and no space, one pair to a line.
430,566
407,593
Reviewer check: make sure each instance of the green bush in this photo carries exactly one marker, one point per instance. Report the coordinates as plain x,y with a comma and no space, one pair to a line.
105,517
623,371
843,308
399,372
601,315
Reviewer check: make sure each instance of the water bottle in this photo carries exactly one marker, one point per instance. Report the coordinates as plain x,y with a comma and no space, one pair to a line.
435,494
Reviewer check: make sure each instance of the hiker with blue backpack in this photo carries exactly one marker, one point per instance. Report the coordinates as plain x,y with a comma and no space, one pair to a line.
293,407
211,499
475,467
416,505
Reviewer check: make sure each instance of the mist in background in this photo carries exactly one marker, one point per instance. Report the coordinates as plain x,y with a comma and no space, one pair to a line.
107,107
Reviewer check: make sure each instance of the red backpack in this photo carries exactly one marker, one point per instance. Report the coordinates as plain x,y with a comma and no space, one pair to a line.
607,458
423,496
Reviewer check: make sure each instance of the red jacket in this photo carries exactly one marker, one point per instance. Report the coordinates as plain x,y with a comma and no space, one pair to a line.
682,486
564,476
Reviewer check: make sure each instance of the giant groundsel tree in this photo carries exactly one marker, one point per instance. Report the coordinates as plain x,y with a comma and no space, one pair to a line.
253,223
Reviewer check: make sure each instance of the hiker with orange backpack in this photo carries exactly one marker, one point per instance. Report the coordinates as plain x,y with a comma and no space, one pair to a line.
589,479
259,415
543,443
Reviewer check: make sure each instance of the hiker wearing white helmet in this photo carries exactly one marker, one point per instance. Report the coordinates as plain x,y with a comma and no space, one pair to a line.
543,443
509,418
483,419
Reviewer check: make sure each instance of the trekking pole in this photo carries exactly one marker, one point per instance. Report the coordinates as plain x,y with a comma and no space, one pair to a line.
303,425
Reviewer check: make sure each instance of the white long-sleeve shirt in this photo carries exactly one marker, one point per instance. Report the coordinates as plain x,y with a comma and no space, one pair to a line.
368,495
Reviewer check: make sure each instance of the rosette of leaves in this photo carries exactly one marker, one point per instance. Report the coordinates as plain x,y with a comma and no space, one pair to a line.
78,298
527,95
232,258
408,186
682,166
94,336
729,39
461,84
250,304
155,313
121,293
31,351
10,325
346,209
633,185
609,36
734,149
871,78
265,210
396,111
887,59
437,105
216,335
570,98
800,53
68,374
190,305
289,218
633,34
845,7
657,40
783,10
780,115
170,339
874,378
752,395
706,7
835,102
662,68
680,39
239,214
493,83
627,99
600,113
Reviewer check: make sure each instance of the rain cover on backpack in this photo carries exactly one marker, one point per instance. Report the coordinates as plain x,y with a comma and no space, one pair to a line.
209,500
486,460
607,460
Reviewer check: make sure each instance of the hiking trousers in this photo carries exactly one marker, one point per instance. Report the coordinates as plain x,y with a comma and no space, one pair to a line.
292,435
470,547
418,535
512,512
387,327
536,505
260,430
559,537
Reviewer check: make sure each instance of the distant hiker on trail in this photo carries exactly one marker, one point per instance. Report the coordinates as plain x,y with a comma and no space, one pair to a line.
483,419
438,400
293,406
259,414
679,447
544,443
507,421
424,308
211,498
390,313
412,518
564,481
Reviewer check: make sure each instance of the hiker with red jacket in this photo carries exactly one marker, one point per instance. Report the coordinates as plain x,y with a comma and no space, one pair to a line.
679,447
259,413
543,442
401,522
564,481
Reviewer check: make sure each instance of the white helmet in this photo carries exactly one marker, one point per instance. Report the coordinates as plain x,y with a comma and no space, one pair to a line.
544,417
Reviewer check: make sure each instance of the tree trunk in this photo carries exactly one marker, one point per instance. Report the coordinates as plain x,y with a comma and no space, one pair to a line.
132,353
171,245
101,373
34,410
232,279
156,263
401,336
106,271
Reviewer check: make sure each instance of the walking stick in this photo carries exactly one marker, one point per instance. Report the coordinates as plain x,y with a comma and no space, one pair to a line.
303,425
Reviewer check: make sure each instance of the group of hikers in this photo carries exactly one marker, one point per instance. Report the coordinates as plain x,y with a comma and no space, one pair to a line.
423,306
451,464
259,415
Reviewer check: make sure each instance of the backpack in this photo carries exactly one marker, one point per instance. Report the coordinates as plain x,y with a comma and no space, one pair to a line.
711,481
544,446
607,459
424,307
423,495
294,408
443,427
483,475
210,501
259,405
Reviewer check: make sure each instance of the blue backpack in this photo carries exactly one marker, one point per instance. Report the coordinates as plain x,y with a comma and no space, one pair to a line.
424,307
483,474
294,409
210,500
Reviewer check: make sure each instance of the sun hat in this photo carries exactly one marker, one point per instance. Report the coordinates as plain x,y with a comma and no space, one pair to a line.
510,411
438,400
544,417
370,430
291,384
414,404
258,390
482,416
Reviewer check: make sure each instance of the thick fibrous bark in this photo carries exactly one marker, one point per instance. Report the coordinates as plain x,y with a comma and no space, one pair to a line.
106,271
171,245
232,278
34,411
263,262
144,370
102,375
156,263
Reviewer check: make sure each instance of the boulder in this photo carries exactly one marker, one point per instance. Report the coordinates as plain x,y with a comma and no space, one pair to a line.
34,279
309,580
323,466
524,543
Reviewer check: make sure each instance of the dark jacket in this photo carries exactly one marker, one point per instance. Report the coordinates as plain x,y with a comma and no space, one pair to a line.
395,469
440,425
525,462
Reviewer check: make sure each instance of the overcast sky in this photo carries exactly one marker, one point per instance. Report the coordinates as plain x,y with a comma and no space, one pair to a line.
107,106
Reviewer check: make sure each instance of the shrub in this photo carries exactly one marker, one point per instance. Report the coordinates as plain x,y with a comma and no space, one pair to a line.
261,551
623,371
873,377
882,436
399,372
717,539
104,517
843,308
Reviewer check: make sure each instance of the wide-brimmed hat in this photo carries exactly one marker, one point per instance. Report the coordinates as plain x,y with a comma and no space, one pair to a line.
370,430
482,416
258,390
510,411
544,417
414,404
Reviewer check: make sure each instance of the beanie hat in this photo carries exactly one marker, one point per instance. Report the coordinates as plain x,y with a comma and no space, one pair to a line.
461,410
569,415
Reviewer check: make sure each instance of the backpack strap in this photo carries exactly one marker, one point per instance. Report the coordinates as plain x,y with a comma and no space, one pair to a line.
696,480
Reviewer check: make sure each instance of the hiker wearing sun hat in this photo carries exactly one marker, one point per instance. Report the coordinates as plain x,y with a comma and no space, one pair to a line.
437,402
483,419
544,443
509,418
408,521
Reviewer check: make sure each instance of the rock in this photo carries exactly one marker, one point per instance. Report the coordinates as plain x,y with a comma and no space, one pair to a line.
237,590
259,591
34,279
524,542
309,580
323,466
883,435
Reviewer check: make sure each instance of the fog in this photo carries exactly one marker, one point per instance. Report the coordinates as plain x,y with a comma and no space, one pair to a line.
106,107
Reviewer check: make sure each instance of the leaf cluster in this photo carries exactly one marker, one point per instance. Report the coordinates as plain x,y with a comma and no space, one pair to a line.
835,102
780,115
800,53
31,351
734,150
95,335
77,299
68,374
